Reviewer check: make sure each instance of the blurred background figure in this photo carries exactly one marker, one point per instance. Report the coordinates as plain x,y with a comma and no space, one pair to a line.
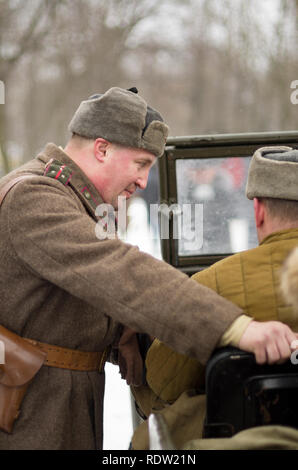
151,196
138,230
218,184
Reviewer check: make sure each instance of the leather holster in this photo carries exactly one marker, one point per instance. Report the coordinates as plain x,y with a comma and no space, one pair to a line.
22,361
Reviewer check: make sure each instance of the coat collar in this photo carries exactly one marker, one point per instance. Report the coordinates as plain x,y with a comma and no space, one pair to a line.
79,182
281,235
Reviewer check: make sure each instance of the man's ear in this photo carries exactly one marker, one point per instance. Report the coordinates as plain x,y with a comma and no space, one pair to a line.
259,212
100,149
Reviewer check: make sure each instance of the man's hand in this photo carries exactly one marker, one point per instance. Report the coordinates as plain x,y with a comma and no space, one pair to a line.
269,341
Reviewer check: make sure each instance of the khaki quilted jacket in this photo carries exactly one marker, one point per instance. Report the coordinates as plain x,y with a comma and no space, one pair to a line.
250,279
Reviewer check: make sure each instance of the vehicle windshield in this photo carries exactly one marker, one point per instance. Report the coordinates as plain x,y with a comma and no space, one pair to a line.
217,216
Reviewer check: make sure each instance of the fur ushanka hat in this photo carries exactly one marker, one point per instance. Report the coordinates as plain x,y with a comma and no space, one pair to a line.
121,117
273,173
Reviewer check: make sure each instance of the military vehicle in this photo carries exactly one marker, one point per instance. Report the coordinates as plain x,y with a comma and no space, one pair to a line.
210,172
205,216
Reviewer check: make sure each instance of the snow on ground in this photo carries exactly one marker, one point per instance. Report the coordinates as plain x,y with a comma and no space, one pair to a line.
118,427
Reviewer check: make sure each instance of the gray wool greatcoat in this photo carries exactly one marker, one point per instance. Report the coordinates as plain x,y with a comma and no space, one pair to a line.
60,284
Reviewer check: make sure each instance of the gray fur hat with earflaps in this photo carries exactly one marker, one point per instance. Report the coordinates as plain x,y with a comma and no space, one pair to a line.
121,117
273,173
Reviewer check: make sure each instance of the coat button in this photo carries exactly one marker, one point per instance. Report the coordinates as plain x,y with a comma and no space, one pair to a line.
87,195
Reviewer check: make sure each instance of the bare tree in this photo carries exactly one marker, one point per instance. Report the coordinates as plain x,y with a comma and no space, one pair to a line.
85,52
22,28
208,65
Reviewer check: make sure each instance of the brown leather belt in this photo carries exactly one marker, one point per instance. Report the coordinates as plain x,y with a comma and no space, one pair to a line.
72,359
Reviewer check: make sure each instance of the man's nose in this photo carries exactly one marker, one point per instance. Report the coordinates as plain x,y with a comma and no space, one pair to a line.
143,180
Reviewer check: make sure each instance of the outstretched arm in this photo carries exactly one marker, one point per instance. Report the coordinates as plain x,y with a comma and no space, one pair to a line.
269,341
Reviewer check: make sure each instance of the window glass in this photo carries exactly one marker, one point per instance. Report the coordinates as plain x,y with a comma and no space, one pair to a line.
216,217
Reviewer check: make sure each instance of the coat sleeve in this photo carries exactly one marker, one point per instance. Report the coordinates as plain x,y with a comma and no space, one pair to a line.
56,240
168,373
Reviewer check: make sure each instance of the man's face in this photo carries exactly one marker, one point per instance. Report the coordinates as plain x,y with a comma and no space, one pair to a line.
124,170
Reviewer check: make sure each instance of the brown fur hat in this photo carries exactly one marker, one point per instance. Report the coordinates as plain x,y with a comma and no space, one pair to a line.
273,173
289,279
121,117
